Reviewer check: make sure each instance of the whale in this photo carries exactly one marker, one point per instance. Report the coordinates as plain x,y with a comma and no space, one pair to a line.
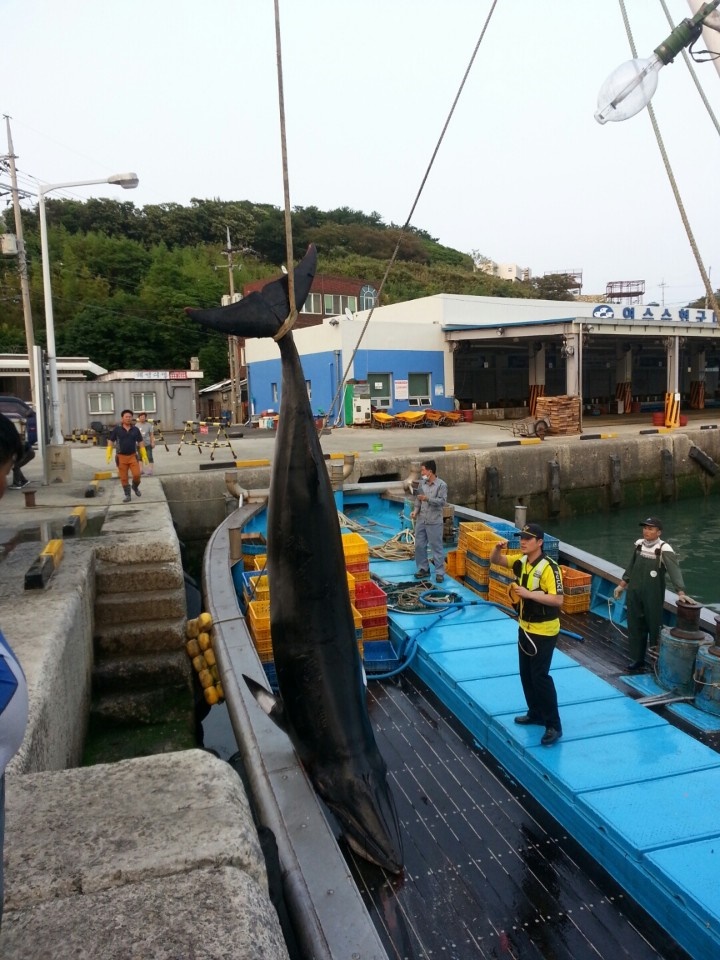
322,701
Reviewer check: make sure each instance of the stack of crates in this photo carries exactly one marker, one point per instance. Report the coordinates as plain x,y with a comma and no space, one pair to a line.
480,544
357,556
371,602
576,590
464,530
252,544
500,579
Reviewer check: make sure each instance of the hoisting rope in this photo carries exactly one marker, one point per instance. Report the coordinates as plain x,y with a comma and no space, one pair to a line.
671,176
292,316
404,228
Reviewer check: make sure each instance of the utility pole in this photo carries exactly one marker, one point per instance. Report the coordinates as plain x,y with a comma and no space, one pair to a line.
232,341
22,267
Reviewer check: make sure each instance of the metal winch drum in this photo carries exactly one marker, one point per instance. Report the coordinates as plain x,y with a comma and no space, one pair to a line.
678,649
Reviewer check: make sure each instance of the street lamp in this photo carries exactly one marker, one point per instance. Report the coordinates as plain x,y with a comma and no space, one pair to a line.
128,181
631,86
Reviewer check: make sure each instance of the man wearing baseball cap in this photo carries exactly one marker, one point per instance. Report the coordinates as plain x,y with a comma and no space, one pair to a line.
540,595
644,579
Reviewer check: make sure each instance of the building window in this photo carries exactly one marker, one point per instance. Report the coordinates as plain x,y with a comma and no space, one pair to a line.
313,303
101,403
144,402
335,304
274,392
419,389
380,389
368,297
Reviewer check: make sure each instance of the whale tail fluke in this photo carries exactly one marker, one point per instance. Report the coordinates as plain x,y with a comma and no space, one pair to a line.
261,314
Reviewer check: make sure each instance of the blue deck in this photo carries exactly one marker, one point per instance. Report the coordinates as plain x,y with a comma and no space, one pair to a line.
636,792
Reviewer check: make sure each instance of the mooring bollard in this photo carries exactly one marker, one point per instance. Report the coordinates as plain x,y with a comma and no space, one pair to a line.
29,498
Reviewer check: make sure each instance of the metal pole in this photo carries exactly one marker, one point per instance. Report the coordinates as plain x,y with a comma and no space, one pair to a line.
128,181
22,267
232,340
57,436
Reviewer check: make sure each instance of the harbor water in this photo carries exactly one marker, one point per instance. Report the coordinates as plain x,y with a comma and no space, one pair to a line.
691,527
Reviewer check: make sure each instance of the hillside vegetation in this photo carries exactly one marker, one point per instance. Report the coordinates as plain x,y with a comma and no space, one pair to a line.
121,274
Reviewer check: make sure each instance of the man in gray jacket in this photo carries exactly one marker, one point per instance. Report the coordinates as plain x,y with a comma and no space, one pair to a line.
428,516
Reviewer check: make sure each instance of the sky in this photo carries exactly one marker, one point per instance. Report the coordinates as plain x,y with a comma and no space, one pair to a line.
186,95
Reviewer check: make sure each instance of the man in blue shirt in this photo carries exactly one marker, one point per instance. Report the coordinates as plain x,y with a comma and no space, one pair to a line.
129,449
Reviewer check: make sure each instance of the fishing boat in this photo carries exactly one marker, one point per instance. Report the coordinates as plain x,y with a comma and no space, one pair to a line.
606,844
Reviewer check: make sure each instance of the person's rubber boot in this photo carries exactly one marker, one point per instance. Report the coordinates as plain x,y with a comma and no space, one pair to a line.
136,490
126,498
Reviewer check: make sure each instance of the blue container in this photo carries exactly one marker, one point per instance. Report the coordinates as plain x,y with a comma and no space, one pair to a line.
379,656
271,675
707,671
551,547
676,663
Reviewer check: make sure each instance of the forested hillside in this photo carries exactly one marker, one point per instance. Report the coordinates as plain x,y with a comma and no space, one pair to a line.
121,275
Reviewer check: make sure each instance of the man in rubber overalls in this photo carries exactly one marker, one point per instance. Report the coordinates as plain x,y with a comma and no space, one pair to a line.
540,595
644,579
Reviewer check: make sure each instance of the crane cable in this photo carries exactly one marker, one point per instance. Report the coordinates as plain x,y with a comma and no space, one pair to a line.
671,177
292,316
404,228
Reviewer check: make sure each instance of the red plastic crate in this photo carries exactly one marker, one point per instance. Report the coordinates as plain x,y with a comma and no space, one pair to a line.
369,594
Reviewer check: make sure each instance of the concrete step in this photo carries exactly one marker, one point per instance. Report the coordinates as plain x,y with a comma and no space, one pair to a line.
167,705
119,638
113,578
141,672
112,608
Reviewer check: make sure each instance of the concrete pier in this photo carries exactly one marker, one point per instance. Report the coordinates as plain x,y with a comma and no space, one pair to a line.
156,857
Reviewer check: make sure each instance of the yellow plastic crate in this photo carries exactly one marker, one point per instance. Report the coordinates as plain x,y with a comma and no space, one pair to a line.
499,592
357,618
467,528
482,543
477,572
260,561
351,586
264,649
355,547
259,609
376,633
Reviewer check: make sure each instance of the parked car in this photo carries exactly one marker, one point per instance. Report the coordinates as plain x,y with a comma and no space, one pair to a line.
14,405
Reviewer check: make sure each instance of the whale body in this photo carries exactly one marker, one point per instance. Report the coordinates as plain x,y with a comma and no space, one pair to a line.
322,703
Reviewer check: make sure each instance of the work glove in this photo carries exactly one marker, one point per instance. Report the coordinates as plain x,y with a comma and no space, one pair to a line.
143,454
618,592
108,454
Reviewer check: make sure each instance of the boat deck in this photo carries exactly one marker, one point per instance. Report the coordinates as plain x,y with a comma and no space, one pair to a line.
489,871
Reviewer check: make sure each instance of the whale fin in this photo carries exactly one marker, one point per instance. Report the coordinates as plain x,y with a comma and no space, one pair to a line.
261,314
268,702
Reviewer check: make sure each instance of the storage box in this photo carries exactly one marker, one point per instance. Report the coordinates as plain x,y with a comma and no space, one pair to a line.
379,656
369,594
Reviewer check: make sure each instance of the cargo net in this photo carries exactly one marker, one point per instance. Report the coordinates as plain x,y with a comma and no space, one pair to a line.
201,437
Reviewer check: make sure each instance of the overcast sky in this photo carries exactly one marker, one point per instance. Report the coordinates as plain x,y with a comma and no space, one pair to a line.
185,94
